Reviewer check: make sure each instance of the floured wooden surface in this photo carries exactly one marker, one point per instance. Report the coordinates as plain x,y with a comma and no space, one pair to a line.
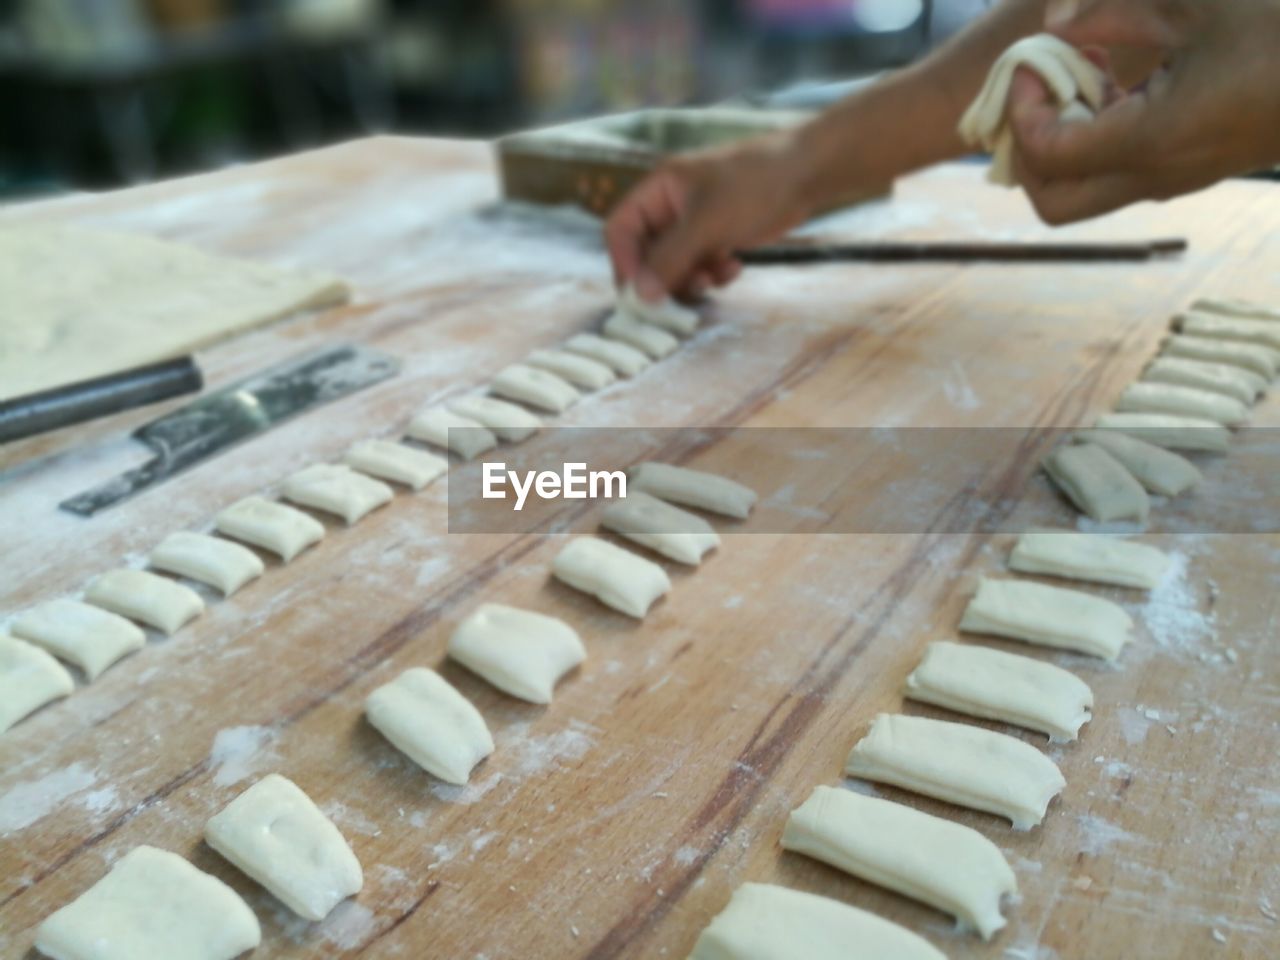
617,821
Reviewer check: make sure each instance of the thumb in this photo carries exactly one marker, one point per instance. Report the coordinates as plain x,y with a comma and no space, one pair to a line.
1117,23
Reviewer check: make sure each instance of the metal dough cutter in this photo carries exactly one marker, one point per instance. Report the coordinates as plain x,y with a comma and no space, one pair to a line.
226,417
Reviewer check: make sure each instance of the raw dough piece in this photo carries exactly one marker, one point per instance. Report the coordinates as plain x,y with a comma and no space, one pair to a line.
1247,356
1073,80
964,765
336,489
431,722
276,835
29,678
520,652
442,427
395,462
622,359
143,596
1182,402
1097,483
91,638
579,370
693,488
670,531
616,577
219,563
1091,557
645,337
943,864
283,530
764,922
1234,329
994,685
1166,430
1235,307
537,388
1223,378
668,314
1159,470
506,420
1049,616
94,303
153,905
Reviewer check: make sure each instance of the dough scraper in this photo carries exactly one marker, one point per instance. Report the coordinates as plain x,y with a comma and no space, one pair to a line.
221,419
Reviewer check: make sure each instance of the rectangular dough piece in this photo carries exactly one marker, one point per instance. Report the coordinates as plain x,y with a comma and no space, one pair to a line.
538,388
616,577
507,421
272,526
152,905
1144,397
1091,557
994,685
765,922
153,600
1235,307
1049,616
91,638
621,358
1097,483
961,764
518,651
443,428
219,563
676,534
274,833
396,462
1159,470
1235,329
337,489
581,371
693,488
652,341
1247,356
1234,382
668,314
1166,430
29,678
948,866
430,722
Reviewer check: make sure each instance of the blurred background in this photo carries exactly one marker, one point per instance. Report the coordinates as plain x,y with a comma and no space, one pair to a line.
102,93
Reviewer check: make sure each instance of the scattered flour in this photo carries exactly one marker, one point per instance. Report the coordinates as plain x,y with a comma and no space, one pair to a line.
1096,834
1172,615
237,752
534,755
25,803
349,926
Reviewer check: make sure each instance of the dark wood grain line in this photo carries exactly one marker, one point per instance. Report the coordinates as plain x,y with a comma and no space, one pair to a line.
395,924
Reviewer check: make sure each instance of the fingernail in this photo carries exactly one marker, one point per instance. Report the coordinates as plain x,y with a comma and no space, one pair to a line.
1061,12
648,286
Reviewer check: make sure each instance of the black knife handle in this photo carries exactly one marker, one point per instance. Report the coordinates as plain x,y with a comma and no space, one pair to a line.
77,402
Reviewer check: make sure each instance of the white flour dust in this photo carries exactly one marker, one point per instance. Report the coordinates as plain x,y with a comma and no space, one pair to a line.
238,751
1172,612
25,803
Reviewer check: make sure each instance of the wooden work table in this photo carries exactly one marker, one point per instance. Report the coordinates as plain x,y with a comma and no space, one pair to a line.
617,821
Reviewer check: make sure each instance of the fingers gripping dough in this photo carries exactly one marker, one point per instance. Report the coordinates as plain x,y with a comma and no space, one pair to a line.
1143,397
1166,430
538,388
153,905
506,420
668,314
946,865
336,489
645,337
616,577
276,835
1075,82
1247,356
1097,484
620,357
432,723
520,652
1159,470
579,370
676,534
219,563
764,922
29,678
91,638
443,428
283,530
1092,557
995,685
961,764
144,596
396,462
1049,616
693,488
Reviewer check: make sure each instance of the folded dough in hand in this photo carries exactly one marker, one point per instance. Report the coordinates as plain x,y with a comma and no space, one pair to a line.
1073,80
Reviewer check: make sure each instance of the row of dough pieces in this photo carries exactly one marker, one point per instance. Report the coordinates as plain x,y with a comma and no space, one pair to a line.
1223,356
950,867
93,635
274,832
